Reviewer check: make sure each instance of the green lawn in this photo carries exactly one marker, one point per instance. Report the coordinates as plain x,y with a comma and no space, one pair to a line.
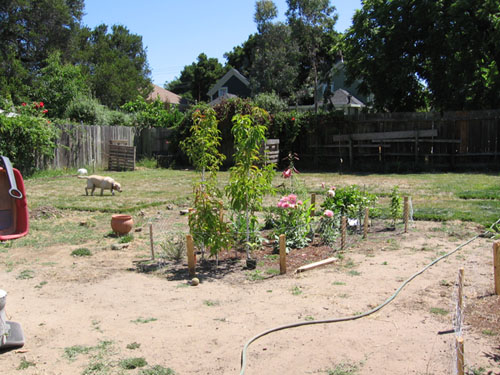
435,196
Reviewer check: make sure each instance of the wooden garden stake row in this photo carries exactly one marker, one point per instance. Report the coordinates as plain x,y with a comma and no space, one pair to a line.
190,255
365,224
496,266
151,241
406,213
460,355
282,244
343,233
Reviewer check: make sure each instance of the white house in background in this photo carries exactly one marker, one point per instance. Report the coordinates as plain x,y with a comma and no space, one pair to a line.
232,84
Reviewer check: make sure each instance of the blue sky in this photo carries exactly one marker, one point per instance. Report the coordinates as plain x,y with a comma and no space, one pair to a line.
175,32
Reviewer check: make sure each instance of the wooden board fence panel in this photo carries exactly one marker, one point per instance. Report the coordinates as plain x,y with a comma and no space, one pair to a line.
121,157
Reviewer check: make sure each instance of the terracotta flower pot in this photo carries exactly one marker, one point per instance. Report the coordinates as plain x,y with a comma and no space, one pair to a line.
121,224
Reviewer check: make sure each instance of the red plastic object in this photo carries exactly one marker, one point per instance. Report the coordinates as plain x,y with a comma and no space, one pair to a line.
19,209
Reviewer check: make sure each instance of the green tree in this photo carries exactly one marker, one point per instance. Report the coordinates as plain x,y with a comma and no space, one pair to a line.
249,180
29,32
312,23
196,79
265,12
153,114
115,64
58,85
413,55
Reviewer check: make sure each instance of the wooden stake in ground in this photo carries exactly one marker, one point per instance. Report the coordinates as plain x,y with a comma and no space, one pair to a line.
313,203
190,255
460,355
343,233
496,266
151,241
282,254
365,224
406,213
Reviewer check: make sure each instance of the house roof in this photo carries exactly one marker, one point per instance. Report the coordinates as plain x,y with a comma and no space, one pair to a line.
342,98
165,95
220,83
221,98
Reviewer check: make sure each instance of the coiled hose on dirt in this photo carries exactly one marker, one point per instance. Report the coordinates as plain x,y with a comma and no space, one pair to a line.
354,317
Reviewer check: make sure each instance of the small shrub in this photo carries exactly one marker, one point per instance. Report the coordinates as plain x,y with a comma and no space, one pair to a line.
81,252
329,228
126,238
174,248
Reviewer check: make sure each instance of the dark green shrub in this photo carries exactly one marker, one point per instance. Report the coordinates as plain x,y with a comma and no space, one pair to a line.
26,140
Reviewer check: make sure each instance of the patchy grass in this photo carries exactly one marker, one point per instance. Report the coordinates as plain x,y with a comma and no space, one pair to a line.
439,311
132,363
81,252
142,320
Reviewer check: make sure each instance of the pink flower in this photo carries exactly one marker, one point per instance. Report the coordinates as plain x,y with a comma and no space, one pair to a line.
299,203
323,185
41,104
292,198
287,173
293,118
331,193
45,111
285,205
333,188
23,104
328,213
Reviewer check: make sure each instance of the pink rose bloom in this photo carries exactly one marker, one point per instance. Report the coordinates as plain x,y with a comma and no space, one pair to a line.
287,173
323,185
292,198
299,203
285,205
333,188
331,193
328,213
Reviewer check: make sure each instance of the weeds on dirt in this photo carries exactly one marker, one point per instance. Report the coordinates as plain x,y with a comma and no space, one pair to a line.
132,363
142,320
41,284
338,283
296,291
489,332
133,345
126,238
81,252
26,274
255,275
158,370
438,311
73,351
343,369
208,302
25,364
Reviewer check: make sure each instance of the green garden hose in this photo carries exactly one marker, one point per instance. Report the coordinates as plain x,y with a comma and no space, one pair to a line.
354,317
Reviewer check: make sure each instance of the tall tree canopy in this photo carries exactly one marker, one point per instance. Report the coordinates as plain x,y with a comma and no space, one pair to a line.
196,79
29,32
312,23
115,64
441,53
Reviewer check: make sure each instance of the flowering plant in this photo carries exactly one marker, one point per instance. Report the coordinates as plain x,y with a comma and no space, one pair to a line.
36,109
329,227
293,220
348,201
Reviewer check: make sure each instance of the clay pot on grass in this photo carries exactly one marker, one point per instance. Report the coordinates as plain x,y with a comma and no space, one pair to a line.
121,224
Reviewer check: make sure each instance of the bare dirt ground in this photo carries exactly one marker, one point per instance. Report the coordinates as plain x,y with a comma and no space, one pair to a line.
103,304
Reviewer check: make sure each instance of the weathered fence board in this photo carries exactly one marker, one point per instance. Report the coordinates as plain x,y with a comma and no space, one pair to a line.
87,145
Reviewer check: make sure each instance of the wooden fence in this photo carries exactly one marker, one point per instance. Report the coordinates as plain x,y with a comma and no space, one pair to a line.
409,141
390,142
88,145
